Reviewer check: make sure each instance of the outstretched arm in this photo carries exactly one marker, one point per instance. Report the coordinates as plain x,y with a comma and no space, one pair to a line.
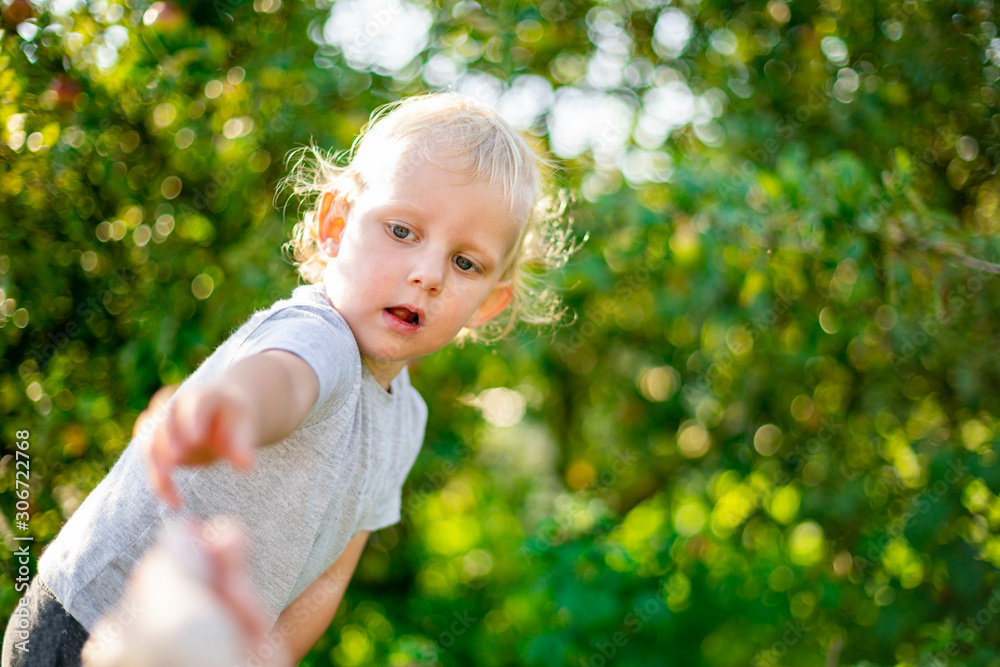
260,400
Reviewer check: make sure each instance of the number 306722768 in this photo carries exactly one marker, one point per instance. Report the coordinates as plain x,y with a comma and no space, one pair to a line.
22,476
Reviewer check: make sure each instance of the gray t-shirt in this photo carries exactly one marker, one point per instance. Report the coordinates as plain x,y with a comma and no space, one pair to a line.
305,497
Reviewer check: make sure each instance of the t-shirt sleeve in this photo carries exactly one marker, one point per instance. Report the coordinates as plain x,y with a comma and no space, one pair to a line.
386,514
316,337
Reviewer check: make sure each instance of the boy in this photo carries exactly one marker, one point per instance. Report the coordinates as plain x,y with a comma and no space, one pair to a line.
421,239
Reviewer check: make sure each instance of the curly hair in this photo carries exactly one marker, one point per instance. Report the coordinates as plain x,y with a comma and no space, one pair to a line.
487,149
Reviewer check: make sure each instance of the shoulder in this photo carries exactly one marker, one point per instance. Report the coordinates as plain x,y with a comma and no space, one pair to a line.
307,325
304,320
307,304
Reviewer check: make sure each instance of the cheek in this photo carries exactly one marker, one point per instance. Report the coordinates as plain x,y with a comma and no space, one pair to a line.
465,298
351,279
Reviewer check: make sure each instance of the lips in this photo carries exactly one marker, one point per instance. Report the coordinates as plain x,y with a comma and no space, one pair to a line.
405,314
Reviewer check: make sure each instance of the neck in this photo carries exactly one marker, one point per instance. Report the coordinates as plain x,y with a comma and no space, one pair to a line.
383,371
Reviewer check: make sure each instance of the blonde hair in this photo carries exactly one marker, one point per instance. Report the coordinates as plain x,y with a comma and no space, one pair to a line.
488,150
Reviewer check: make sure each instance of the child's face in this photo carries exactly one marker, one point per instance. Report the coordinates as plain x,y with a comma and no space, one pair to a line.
414,259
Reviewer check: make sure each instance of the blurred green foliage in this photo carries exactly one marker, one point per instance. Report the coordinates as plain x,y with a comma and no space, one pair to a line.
769,436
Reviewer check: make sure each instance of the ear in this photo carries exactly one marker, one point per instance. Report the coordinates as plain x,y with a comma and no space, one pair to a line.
330,222
493,305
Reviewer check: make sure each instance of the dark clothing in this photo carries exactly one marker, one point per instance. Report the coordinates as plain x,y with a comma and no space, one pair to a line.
52,637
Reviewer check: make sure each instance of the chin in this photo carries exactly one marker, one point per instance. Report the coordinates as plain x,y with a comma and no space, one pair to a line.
384,352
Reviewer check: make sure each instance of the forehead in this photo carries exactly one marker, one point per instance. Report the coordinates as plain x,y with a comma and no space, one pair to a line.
438,189
384,159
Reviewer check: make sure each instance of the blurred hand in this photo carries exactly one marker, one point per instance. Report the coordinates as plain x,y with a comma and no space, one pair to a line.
224,545
203,425
188,604
159,399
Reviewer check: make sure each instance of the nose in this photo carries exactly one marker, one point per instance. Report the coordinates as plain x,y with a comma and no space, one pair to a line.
428,272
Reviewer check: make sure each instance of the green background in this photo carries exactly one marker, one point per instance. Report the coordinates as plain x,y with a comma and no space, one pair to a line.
767,438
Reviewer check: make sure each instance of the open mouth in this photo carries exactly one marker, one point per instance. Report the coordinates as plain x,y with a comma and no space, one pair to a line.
405,314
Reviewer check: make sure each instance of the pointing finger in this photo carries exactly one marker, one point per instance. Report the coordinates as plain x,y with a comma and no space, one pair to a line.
238,439
160,466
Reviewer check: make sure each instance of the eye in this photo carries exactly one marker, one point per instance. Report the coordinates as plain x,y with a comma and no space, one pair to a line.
399,231
465,263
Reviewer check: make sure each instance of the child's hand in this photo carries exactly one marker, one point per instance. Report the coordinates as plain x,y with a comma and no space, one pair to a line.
259,400
203,425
